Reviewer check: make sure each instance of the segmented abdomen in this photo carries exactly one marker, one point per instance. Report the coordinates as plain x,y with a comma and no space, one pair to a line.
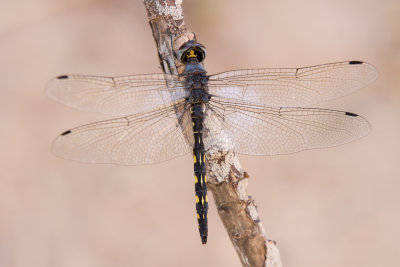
197,114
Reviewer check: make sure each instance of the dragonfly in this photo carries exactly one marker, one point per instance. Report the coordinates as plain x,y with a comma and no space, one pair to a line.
162,116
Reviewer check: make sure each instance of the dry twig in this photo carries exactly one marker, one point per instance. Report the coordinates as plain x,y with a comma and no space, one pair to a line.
227,180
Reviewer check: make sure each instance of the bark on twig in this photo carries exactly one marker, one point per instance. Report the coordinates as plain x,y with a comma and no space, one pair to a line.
227,180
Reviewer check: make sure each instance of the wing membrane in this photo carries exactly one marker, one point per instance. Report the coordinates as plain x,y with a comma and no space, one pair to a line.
263,130
119,95
295,87
145,138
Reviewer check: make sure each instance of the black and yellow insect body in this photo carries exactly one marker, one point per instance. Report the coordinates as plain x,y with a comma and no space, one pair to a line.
196,83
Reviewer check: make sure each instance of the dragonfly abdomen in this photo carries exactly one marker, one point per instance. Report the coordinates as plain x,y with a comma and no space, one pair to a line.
197,115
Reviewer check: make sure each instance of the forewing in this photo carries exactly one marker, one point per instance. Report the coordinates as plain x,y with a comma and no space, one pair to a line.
262,130
132,140
295,87
117,95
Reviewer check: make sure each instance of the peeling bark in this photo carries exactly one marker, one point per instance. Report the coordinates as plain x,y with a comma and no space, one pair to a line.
226,179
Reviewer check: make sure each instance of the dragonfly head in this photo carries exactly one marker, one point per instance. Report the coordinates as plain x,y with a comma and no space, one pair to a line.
191,52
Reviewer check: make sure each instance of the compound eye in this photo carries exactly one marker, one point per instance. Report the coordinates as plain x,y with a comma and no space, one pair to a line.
201,55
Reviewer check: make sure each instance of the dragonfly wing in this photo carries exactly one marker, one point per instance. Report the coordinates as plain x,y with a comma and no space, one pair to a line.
145,138
262,130
295,87
117,95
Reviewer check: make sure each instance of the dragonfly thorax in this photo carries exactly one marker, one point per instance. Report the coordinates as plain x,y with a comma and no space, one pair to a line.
197,85
194,67
198,96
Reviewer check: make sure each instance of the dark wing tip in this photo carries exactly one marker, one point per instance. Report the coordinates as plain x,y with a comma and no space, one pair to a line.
62,77
351,114
66,132
355,62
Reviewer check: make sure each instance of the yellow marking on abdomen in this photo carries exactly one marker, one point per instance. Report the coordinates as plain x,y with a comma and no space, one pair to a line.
196,180
198,216
206,198
197,199
194,159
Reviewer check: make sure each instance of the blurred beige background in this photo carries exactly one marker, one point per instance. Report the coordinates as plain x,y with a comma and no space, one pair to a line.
332,207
